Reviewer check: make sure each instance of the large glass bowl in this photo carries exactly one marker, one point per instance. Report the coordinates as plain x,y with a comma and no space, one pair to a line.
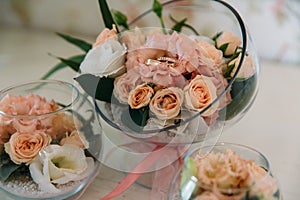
188,181
35,117
207,18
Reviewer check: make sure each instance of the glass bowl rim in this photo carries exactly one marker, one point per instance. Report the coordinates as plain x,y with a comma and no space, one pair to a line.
234,145
39,83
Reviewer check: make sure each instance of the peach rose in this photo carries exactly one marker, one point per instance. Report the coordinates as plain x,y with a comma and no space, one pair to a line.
229,39
75,138
105,35
140,96
247,69
166,103
24,147
124,84
201,92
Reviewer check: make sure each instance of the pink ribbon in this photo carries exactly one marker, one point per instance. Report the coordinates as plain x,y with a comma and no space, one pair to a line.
166,173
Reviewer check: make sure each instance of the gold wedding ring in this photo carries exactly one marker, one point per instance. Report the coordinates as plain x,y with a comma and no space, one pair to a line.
152,62
170,61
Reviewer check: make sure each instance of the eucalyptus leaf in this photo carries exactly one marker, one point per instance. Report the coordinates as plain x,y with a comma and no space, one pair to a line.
241,92
96,87
120,18
62,65
106,15
77,42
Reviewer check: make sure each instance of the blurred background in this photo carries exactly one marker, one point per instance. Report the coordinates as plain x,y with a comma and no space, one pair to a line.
274,24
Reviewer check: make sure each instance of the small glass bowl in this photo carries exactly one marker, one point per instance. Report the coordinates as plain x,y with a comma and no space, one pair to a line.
191,187
24,108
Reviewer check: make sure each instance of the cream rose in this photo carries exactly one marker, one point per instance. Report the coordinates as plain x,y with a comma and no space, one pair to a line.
24,147
166,103
201,92
107,59
140,96
247,69
231,41
59,165
75,138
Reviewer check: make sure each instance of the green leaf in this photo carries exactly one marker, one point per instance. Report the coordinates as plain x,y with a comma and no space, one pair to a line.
189,170
96,87
184,25
135,119
223,47
69,62
214,38
77,42
62,65
120,18
178,26
106,15
241,92
229,70
7,167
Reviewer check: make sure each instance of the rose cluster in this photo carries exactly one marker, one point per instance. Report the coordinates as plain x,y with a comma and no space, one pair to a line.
168,72
34,134
225,175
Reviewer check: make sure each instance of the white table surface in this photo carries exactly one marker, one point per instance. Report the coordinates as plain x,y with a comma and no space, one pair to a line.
272,125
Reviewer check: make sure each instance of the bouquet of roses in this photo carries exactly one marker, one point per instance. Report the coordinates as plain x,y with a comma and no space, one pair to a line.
158,74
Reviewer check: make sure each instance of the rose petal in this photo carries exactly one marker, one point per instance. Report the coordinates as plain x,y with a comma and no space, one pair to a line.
42,179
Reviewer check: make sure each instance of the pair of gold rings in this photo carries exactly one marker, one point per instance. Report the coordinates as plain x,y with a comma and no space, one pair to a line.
170,61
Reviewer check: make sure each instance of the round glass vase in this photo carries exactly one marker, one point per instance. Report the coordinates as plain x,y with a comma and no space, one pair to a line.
187,186
201,21
47,125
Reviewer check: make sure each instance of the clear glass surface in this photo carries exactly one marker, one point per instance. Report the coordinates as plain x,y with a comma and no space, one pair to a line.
207,18
75,112
268,182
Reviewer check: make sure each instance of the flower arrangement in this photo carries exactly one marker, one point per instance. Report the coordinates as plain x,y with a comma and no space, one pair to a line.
40,141
158,74
226,175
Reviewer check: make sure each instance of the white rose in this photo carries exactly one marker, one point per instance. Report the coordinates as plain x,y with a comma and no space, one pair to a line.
60,165
247,69
105,59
